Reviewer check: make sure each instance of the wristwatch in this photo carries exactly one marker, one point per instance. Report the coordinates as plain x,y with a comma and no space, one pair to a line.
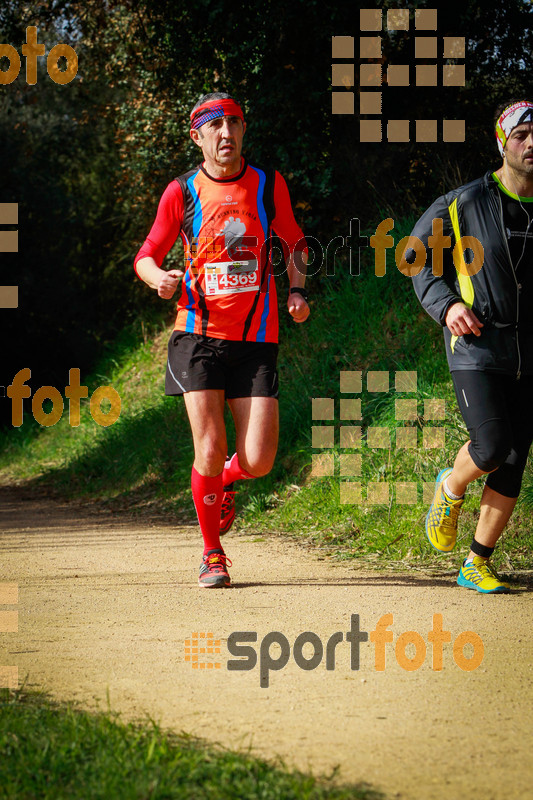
300,290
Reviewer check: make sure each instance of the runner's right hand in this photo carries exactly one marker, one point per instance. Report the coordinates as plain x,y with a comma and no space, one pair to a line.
461,320
168,283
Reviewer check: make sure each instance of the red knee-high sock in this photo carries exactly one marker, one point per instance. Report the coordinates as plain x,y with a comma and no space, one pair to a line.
234,472
207,496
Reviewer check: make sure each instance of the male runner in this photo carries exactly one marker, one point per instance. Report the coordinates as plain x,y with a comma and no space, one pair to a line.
488,332
224,343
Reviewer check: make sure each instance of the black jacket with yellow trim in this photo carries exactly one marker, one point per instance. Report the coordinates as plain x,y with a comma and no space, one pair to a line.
502,302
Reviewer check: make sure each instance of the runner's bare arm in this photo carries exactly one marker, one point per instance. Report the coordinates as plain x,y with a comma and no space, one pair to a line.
294,245
162,236
164,282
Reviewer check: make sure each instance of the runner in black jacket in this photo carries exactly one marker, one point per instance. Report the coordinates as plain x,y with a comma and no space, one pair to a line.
484,304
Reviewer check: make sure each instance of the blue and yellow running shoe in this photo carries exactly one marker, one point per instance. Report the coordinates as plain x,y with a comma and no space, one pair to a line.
441,520
480,575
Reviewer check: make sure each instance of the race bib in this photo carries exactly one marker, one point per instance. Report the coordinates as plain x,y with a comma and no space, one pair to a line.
229,277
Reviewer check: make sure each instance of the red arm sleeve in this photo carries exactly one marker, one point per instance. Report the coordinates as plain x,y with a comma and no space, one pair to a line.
284,224
166,227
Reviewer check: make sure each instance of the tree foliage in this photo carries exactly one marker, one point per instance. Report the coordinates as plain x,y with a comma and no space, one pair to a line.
87,161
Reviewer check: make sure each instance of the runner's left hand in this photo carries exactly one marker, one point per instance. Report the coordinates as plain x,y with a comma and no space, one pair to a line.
298,308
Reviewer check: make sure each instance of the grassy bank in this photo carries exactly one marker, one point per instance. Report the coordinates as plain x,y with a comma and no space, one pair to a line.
56,751
358,323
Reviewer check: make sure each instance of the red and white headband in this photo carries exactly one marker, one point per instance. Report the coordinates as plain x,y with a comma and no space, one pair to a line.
510,117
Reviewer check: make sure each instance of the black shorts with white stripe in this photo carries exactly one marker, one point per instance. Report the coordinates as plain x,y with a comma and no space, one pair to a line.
240,369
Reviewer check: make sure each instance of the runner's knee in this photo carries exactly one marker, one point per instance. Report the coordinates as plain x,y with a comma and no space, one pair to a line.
209,456
257,465
490,445
260,469
506,480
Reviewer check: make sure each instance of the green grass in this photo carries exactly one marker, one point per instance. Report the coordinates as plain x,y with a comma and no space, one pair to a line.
57,751
145,455
357,323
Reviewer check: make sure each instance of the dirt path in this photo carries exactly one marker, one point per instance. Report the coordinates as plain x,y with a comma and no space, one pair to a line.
105,606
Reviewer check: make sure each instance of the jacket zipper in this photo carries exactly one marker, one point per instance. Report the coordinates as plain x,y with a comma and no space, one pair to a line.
518,373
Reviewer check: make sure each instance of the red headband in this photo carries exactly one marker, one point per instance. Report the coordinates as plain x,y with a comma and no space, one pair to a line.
213,109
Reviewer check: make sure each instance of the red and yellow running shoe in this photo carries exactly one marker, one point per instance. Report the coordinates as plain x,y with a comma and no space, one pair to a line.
227,512
213,570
